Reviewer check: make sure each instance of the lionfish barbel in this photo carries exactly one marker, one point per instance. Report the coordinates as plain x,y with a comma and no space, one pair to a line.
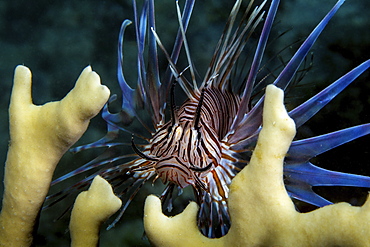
209,138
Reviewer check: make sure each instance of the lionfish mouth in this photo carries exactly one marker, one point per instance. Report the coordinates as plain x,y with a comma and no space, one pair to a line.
209,138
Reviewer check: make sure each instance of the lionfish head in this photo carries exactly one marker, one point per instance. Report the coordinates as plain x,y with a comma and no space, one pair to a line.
189,147
209,138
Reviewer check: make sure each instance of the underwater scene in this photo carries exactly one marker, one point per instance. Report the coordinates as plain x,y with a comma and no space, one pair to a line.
57,39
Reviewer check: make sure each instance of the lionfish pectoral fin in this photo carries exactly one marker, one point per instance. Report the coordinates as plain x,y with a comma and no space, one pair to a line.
303,150
304,193
98,161
282,81
213,216
305,111
131,98
291,68
112,129
54,198
127,91
131,187
148,74
301,175
316,176
167,197
153,70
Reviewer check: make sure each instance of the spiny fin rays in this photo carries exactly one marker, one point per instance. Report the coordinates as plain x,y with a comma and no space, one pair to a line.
250,120
230,47
127,91
304,176
153,78
223,41
256,62
166,80
305,111
184,83
187,50
303,150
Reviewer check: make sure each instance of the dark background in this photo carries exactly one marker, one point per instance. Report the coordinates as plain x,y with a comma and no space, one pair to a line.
57,39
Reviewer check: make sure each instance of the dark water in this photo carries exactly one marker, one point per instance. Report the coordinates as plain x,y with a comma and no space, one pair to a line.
57,39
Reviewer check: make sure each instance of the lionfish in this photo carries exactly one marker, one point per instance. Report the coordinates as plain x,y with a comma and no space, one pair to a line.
209,138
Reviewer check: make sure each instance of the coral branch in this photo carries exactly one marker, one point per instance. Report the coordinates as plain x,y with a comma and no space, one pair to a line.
90,210
39,136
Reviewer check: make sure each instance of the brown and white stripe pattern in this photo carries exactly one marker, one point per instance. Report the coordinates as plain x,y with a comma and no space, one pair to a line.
186,153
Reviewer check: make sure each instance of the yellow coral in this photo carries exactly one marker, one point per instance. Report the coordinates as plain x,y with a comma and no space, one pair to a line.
39,136
90,210
261,211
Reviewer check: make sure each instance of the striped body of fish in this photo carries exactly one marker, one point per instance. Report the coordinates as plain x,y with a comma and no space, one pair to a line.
205,141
